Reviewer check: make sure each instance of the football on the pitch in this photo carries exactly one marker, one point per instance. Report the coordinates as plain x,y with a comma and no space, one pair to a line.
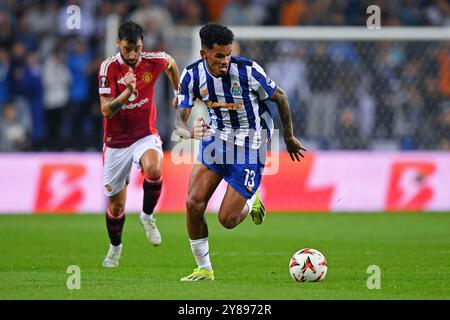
308,265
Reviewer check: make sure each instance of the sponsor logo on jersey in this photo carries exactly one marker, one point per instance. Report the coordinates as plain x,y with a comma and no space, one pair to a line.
135,105
204,92
231,106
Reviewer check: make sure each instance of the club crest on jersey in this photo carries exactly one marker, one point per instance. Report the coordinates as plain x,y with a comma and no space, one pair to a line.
147,77
133,96
236,89
103,82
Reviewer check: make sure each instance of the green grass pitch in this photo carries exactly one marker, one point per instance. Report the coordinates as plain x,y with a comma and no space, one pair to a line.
250,262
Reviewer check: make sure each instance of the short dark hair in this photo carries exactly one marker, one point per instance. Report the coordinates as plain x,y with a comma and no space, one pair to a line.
130,31
211,34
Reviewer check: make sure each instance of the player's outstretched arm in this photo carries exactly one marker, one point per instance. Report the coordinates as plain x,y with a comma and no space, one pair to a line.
293,146
173,73
109,105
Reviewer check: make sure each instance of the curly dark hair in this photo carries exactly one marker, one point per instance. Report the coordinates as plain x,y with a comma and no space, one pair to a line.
211,34
130,31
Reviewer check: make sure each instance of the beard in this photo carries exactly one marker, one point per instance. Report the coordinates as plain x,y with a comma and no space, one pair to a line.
131,63
128,62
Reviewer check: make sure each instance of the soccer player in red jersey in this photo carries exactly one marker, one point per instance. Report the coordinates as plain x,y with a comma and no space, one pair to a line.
126,85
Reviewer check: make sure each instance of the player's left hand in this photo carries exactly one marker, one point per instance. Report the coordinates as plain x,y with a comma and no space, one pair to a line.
201,131
295,148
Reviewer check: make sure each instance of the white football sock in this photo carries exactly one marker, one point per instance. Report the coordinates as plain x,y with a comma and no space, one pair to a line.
200,249
116,248
249,203
145,216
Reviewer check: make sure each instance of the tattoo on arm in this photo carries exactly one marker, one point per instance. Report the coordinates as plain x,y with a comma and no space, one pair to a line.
115,106
284,110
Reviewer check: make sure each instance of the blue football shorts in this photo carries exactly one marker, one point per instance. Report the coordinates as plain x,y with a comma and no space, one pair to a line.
241,166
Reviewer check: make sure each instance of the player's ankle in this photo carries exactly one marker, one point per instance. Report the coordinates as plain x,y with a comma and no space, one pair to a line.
146,216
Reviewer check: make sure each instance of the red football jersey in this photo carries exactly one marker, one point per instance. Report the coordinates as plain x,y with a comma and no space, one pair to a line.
137,118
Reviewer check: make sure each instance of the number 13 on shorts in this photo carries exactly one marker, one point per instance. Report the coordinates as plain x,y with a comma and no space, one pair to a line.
249,178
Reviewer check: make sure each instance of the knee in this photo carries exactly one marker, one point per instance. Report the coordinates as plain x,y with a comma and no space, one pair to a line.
195,208
228,222
152,171
116,208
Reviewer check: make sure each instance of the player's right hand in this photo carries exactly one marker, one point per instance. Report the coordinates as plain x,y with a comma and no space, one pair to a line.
201,131
130,80
294,148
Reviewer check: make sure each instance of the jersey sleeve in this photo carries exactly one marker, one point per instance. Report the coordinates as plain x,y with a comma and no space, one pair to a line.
161,57
261,83
106,83
170,61
185,91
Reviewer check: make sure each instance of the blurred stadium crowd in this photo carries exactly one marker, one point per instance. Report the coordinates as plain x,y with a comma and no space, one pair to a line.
344,95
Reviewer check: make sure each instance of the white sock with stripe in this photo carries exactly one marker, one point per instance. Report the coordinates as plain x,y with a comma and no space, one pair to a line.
200,249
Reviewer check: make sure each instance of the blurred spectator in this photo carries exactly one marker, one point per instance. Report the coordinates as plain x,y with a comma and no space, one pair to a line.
25,35
387,67
103,11
409,12
94,139
13,132
443,130
365,110
444,70
6,39
214,9
432,97
56,78
5,75
292,12
188,13
238,13
352,12
438,13
407,116
18,59
42,18
319,12
323,102
78,116
33,91
156,21
289,71
347,133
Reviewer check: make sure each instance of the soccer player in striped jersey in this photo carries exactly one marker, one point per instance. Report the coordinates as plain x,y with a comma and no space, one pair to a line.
233,144
126,86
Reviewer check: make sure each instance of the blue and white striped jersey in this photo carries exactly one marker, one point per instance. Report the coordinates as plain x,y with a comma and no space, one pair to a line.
235,101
